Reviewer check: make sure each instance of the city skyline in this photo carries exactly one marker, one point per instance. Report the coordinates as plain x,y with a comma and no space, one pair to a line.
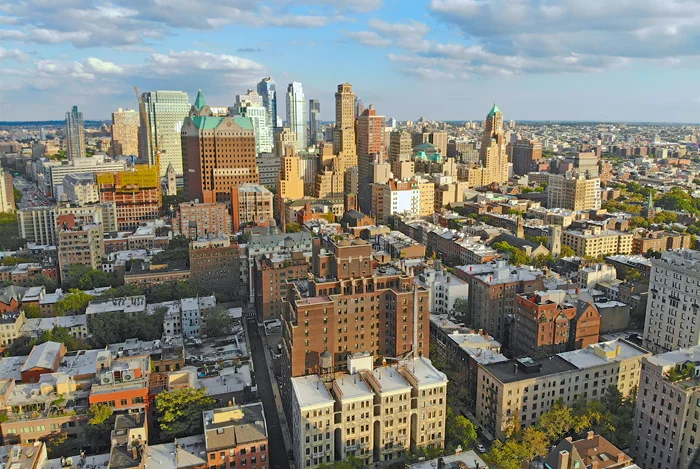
623,63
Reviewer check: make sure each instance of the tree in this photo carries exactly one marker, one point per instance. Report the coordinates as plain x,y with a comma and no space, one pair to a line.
109,328
57,444
459,431
639,222
535,441
62,335
349,463
94,278
557,422
508,455
292,227
122,291
75,302
516,256
9,233
460,309
22,345
99,414
567,251
216,322
543,260
13,260
47,282
180,412
31,311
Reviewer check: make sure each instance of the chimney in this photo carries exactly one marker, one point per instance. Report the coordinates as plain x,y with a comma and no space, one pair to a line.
621,457
563,459
590,434
594,465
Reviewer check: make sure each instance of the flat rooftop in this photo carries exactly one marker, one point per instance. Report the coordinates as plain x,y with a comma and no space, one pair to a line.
311,391
508,372
390,380
353,387
423,369
586,358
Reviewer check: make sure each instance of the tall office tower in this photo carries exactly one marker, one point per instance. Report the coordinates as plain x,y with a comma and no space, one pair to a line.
665,430
290,183
673,304
166,111
493,149
343,271
586,162
359,107
344,133
296,113
125,132
573,191
75,134
400,151
266,89
42,134
525,155
251,105
370,148
439,139
315,132
218,154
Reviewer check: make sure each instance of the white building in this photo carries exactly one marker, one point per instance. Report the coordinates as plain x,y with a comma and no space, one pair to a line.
54,173
81,188
296,113
588,277
369,413
401,197
183,317
672,320
251,105
444,289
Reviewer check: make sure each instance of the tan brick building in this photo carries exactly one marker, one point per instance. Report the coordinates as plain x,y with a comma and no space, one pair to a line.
202,219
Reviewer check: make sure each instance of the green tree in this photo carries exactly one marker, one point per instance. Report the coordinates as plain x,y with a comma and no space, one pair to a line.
13,260
75,302
99,414
17,195
45,281
639,222
535,441
108,328
665,218
9,233
543,260
567,251
349,463
459,431
94,278
292,227
122,291
460,309
58,444
61,335
508,455
31,311
557,422
216,322
180,412
22,345
516,256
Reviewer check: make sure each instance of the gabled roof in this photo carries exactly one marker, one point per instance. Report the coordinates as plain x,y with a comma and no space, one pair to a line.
493,111
199,102
10,293
42,356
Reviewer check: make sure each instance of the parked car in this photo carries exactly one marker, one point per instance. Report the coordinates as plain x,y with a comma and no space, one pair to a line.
481,448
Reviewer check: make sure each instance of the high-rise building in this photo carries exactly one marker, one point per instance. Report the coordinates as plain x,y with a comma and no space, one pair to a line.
7,194
125,132
251,105
196,220
218,154
252,204
170,180
81,189
290,184
493,149
266,89
370,148
284,140
75,134
674,302
359,107
388,311
400,152
665,431
219,265
524,156
344,132
296,113
136,192
80,245
166,112
573,191
315,132
37,225
439,139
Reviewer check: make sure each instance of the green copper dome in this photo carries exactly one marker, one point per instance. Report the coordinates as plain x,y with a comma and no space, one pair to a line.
493,111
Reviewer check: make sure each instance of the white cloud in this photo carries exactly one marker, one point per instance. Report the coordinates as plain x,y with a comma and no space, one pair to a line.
100,66
187,61
12,54
369,38
410,29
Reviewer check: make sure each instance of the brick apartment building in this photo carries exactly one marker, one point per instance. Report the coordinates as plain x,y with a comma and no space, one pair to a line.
271,274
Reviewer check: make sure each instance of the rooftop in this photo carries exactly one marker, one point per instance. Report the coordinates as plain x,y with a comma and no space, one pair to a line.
310,391
603,352
42,356
228,427
390,380
509,372
456,461
352,387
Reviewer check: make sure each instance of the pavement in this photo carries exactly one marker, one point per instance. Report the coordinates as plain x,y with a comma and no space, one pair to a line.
269,394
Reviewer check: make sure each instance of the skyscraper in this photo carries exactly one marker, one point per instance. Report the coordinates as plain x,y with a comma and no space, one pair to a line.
218,154
525,155
400,150
493,149
166,110
251,105
266,89
370,148
75,134
296,113
125,132
315,133
344,133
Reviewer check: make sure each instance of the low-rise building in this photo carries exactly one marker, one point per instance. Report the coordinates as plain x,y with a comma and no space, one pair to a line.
588,277
252,204
525,388
11,323
593,451
236,436
660,241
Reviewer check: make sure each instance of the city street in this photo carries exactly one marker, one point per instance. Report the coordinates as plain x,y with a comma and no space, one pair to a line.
277,450
31,196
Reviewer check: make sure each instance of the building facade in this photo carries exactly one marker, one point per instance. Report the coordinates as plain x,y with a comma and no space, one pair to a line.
573,191
493,149
268,92
125,132
252,204
296,113
166,112
75,134
344,132
196,220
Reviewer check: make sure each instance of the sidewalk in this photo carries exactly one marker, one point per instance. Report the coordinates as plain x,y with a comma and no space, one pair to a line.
276,391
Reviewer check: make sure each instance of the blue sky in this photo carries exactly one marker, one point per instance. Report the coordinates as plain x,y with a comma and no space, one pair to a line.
616,60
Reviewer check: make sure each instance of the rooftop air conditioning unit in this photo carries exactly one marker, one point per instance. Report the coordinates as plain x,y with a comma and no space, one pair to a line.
128,376
107,378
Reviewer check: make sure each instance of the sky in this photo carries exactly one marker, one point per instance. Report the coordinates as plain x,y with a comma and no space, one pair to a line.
600,60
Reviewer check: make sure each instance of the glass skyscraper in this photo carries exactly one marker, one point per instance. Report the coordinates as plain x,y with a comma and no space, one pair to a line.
266,89
75,134
296,113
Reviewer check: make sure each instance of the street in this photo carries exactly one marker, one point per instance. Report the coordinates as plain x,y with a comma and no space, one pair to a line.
277,450
31,195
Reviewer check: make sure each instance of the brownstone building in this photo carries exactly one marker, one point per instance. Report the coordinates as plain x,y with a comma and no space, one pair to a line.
271,274
659,241
352,305
543,326
218,154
